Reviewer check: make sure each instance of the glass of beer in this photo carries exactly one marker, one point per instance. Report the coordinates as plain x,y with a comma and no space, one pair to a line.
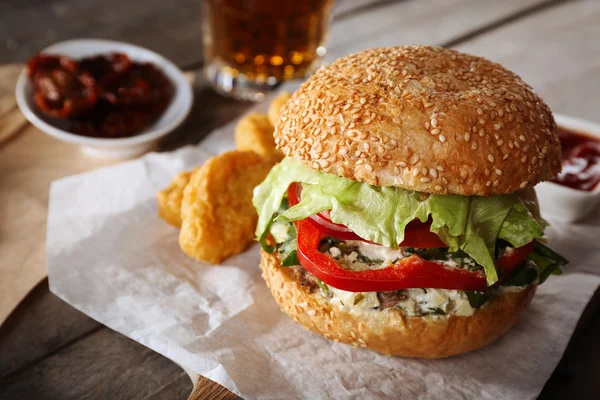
250,46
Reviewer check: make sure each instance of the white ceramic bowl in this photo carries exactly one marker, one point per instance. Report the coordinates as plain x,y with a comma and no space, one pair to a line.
562,202
179,108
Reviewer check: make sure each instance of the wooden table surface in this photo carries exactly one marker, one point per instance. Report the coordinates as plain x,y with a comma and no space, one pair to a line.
48,350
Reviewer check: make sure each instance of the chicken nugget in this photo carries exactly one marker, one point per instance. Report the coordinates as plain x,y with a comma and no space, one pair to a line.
254,133
218,218
275,107
169,199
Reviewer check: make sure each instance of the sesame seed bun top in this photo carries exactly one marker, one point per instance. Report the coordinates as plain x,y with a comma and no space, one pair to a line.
422,118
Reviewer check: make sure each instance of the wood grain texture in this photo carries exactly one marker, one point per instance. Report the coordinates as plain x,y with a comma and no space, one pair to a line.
11,119
420,22
54,323
179,388
206,389
171,28
102,365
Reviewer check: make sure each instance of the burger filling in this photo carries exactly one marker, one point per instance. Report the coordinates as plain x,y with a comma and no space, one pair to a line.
376,248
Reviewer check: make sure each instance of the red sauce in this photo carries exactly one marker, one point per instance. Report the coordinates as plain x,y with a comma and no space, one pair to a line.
580,160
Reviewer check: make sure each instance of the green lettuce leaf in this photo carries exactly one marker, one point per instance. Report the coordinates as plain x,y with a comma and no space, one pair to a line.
268,195
520,227
380,214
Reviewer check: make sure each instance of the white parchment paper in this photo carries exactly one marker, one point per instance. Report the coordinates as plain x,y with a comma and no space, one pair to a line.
111,257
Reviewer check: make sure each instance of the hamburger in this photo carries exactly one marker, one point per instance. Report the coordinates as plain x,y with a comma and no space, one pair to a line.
403,218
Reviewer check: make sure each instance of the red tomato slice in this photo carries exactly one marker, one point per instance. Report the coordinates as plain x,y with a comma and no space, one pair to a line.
508,262
416,233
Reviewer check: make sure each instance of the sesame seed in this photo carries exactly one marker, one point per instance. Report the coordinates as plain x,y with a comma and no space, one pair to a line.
434,122
312,313
524,158
433,172
498,171
482,132
435,131
427,125
353,334
491,158
488,183
474,146
414,159
522,138
438,188
425,180
402,164
523,184
479,111
467,137
332,314
369,167
442,138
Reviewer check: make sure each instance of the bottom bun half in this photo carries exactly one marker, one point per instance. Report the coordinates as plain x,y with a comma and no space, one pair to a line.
390,331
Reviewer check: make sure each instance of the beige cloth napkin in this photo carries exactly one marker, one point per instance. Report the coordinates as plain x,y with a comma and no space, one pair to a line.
29,161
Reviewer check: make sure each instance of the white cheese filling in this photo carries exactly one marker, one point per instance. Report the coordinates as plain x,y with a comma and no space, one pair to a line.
416,302
351,261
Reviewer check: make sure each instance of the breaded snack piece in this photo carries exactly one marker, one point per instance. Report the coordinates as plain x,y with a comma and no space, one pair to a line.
169,199
275,107
254,133
218,218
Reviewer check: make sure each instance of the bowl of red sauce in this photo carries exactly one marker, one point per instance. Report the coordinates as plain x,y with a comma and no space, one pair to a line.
575,192
113,99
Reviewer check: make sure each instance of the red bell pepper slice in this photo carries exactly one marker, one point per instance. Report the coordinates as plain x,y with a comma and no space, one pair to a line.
411,272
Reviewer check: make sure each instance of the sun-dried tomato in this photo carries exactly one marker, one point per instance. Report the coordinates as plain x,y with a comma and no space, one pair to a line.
111,122
60,90
105,67
140,84
106,96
